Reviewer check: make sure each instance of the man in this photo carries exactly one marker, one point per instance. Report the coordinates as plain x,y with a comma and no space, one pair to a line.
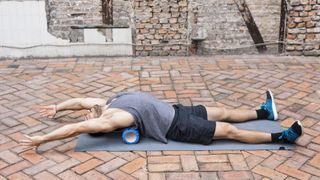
159,120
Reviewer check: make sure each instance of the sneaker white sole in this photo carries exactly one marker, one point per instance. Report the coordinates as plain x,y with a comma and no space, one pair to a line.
302,131
274,109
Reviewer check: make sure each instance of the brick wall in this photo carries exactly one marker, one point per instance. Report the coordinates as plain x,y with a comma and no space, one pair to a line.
183,27
223,24
161,27
62,14
123,13
226,29
303,36
220,21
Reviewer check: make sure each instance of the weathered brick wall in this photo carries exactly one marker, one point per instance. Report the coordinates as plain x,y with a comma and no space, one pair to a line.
161,27
123,13
223,24
62,14
266,14
303,36
226,29
168,27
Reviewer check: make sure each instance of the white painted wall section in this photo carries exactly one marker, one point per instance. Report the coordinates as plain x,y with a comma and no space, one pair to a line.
25,24
93,36
23,33
122,35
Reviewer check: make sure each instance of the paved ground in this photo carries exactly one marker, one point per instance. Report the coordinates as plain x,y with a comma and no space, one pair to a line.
222,81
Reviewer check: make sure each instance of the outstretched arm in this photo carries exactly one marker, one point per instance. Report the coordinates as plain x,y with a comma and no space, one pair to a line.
70,130
80,103
71,104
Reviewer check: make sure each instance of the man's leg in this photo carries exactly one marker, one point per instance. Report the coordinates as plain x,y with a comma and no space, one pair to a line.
230,115
227,131
267,111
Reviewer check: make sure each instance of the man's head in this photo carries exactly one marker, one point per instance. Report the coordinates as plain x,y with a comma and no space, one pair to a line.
94,112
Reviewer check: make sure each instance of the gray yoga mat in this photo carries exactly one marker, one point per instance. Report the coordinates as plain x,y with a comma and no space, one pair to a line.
113,142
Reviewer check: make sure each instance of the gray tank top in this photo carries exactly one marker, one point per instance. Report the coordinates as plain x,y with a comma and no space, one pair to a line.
152,116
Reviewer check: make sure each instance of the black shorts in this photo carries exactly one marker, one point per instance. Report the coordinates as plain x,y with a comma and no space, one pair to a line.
190,124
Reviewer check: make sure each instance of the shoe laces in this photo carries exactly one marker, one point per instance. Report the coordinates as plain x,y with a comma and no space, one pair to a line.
289,135
264,105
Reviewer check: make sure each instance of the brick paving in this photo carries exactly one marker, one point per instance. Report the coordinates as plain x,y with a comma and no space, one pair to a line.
230,81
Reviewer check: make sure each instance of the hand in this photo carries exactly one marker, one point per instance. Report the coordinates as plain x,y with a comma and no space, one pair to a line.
34,141
88,115
47,111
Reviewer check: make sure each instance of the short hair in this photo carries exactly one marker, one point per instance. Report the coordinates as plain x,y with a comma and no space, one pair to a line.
98,110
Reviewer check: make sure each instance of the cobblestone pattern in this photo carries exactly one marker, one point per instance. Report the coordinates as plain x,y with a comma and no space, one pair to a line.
304,28
161,27
232,82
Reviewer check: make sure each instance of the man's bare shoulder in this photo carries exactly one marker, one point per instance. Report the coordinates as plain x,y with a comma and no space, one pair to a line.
114,111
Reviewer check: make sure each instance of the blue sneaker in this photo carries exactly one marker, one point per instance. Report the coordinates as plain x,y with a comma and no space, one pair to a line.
270,106
291,135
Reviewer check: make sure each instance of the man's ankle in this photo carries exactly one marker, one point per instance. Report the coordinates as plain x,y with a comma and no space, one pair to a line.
262,114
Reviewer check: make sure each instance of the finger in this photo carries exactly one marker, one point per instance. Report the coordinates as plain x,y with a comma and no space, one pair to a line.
25,141
27,148
28,137
43,110
46,110
26,144
43,114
